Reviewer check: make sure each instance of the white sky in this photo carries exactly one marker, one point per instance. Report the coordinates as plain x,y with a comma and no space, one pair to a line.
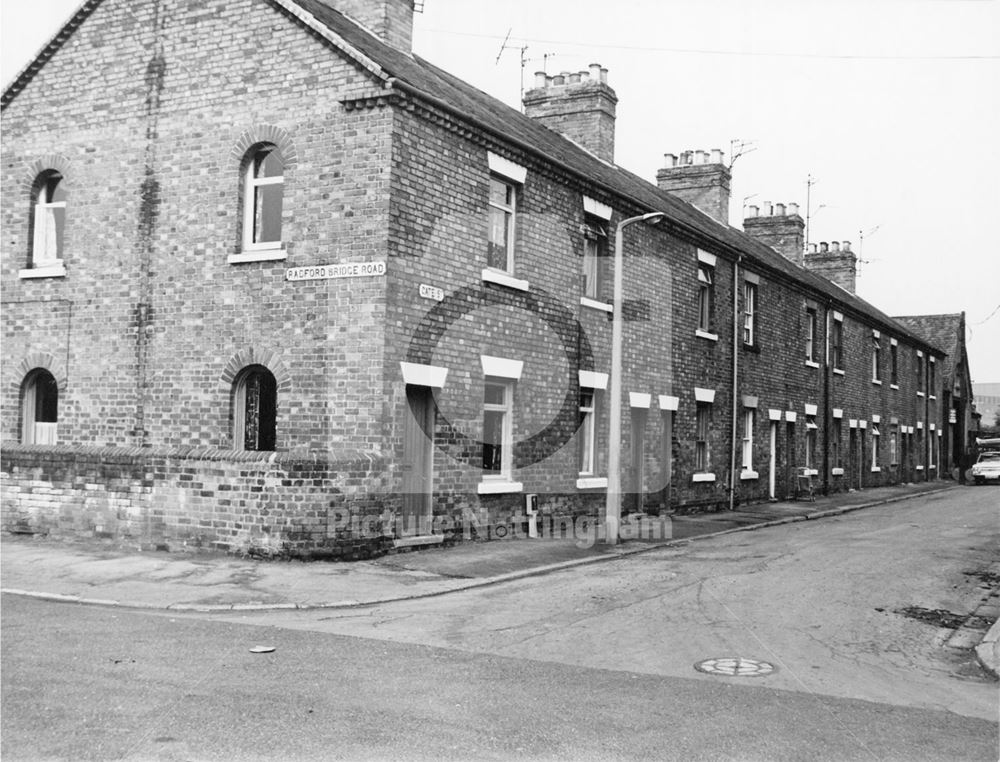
893,106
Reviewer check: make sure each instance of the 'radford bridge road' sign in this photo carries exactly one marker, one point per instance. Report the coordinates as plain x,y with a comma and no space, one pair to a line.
339,270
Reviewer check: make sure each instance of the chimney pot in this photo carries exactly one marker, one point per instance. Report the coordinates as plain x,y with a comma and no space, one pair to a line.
845,246
574,78
585,76
793,209
669,160
754,210
558,80
824,246
779,210
595,72
766,209
540,79
834,245
699,157
717,156
604,76
812,248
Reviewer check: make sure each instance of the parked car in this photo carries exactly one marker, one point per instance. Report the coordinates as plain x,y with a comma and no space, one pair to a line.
987,467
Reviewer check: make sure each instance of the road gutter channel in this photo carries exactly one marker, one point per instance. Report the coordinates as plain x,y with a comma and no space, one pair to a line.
537,571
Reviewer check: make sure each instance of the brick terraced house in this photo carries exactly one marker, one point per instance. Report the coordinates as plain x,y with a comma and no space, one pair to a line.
273,283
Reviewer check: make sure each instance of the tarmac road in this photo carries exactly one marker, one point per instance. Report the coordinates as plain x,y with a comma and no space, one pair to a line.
91,683
820,600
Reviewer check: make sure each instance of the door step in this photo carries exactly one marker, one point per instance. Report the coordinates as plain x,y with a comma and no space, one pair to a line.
410,542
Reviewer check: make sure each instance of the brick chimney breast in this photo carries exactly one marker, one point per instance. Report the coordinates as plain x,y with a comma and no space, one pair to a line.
578,105
699,177
389,20
778,226
836,262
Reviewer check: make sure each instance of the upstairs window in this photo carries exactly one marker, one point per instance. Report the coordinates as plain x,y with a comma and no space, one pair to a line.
39,408
706,296
595,253
920,373
263,199
835,443
837,343
810,335
49,220
893,363
749,313
502,210
876,357
932,380
255,406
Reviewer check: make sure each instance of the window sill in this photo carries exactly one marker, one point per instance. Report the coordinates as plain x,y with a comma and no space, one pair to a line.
836,472
877,382
811,364
706,335
55,270
810,472
933,397
876,469
504,279
920,468
894,386
264,255
586,301
747,474
920,394
499,487
592,482
703,477
838,372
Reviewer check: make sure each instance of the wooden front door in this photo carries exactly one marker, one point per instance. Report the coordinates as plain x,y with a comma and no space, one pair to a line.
418,462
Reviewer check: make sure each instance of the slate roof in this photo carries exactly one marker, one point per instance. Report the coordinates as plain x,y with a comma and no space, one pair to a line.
467,103
945,331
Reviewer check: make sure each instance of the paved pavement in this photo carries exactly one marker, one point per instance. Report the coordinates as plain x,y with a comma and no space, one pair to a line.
95,573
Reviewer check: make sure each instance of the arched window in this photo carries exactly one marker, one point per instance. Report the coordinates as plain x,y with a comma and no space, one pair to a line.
39,408
262,199
49,200
255,404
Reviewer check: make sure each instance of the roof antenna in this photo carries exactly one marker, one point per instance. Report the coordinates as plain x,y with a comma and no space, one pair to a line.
739,147
862,234
524,60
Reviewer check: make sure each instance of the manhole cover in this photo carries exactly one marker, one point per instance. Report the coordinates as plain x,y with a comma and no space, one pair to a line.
735,666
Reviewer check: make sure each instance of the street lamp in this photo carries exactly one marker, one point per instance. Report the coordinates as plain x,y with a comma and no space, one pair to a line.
613,507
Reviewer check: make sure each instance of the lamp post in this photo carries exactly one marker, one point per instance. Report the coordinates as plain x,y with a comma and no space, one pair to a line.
613,506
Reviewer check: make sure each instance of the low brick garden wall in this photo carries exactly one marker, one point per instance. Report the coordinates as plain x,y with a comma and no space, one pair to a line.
269,504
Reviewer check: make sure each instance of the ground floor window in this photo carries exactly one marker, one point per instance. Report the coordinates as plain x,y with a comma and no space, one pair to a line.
255,406
749,415
498,401
703,424
811,429
39,408
876,436
587,429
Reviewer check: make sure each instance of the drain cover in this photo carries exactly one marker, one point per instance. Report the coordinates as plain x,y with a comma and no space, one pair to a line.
735,666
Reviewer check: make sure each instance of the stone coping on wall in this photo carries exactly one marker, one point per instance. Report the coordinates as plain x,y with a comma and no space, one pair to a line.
340,458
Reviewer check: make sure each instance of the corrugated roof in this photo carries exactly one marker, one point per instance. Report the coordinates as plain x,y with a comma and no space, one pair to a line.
483,110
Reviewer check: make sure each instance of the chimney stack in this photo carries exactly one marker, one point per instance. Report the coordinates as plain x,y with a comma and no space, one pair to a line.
779,227
389,20
578,105
700,178
836,262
